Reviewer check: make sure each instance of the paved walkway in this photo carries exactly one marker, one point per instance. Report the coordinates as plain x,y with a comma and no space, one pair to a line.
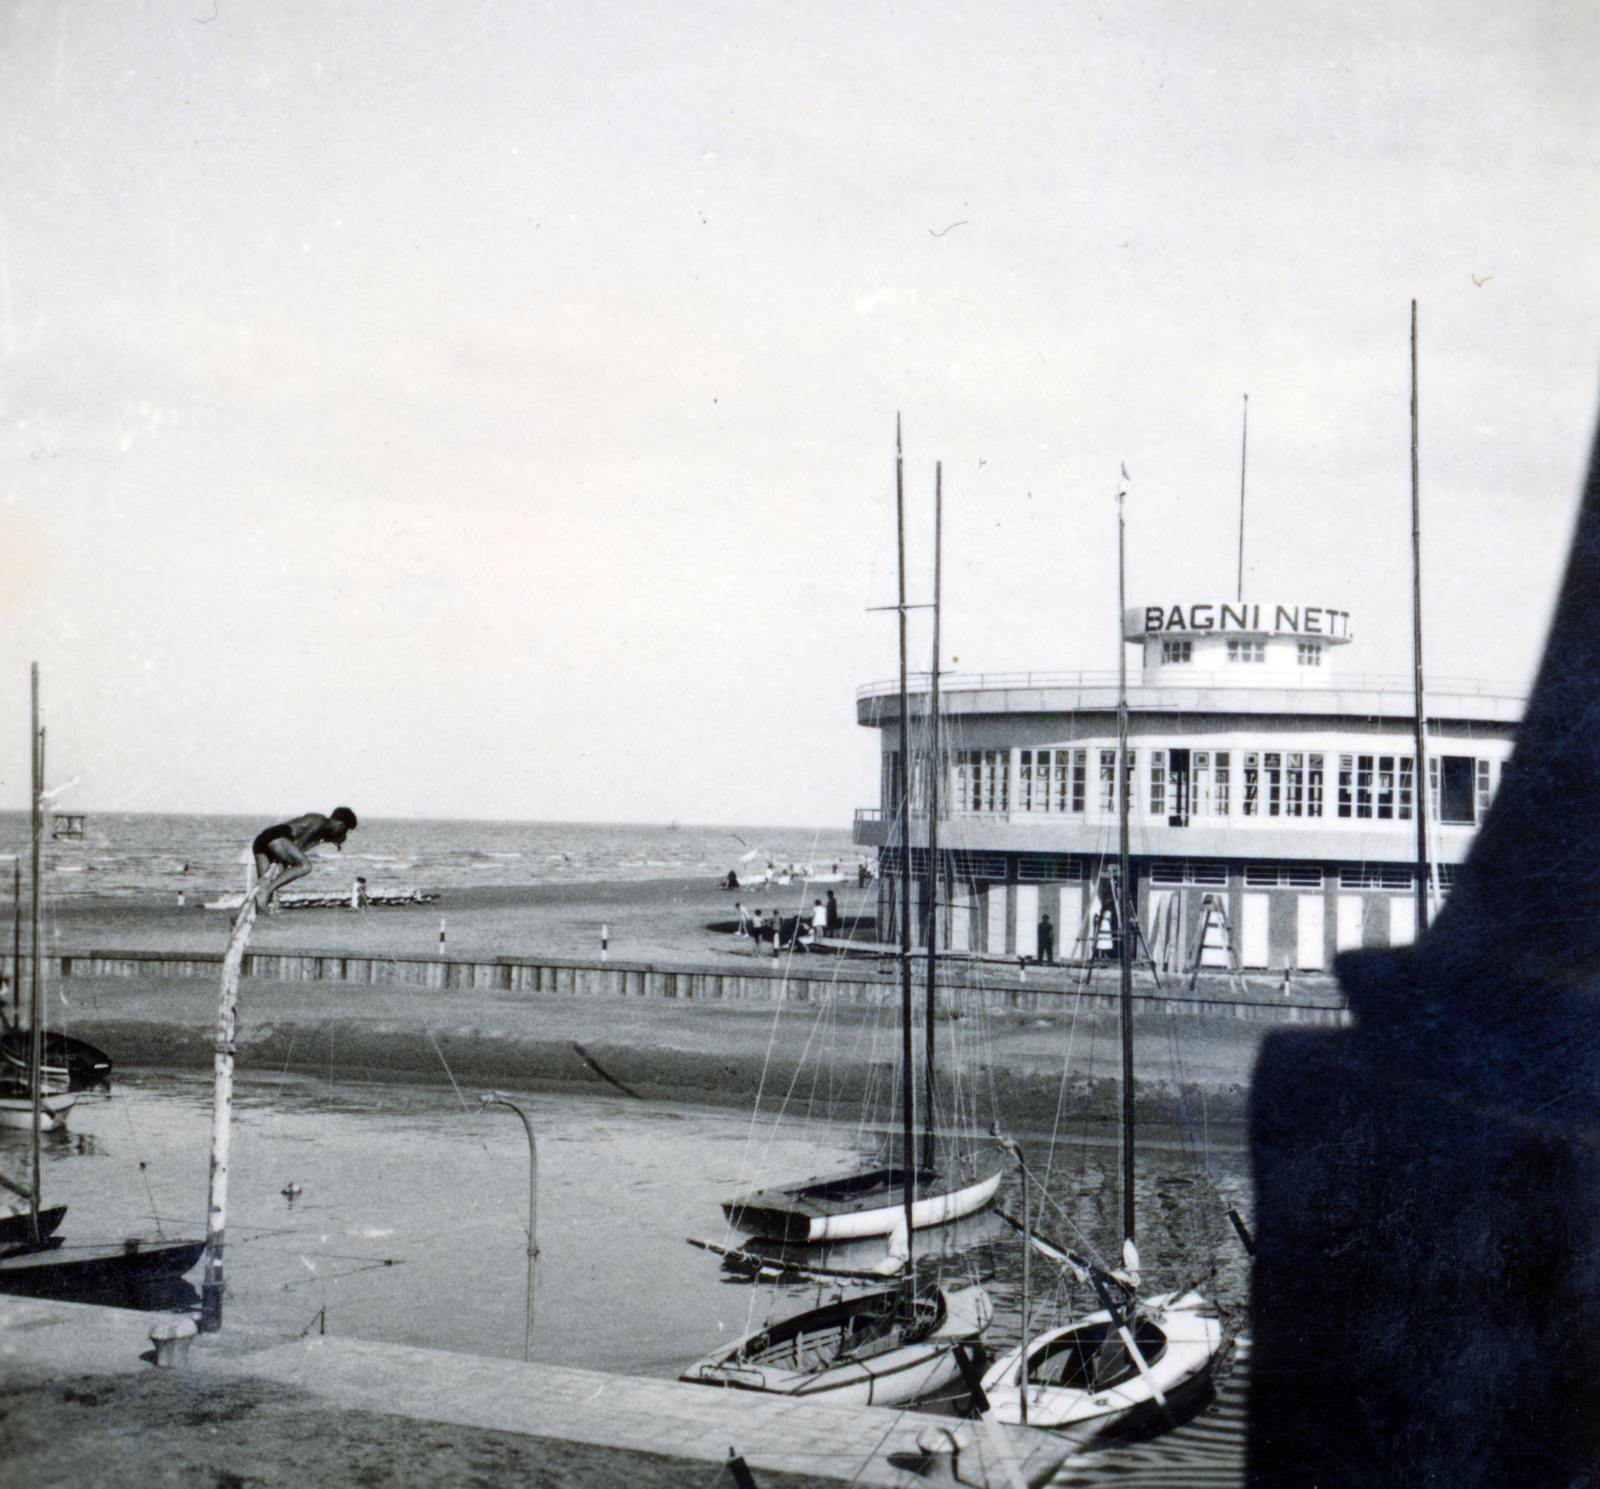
697,1426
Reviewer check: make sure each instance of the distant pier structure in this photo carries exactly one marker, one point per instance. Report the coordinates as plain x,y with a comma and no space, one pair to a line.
1262,778
68,824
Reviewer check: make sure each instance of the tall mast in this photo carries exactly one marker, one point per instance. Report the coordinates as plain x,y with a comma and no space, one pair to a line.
35,993
908,1098
1244,450
1124,897
1420,791
935,771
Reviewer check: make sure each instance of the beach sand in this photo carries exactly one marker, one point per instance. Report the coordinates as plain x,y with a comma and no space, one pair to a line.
718,1051
661,921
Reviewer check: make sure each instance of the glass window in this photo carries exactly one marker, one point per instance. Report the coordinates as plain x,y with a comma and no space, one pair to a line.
1483,789
1024,780
1108,781
982,780
1364,785
1080,771
1272,773
1309,653
1458,775
1252,784
1294,802
1220,776
1177,651
1313,785
1247,651
1407,775
1158,783
1347,766
1386,787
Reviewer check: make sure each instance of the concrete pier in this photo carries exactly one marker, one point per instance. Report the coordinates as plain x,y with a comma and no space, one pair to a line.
328,1394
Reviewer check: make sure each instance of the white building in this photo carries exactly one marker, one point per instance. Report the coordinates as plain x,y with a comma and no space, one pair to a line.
1260,772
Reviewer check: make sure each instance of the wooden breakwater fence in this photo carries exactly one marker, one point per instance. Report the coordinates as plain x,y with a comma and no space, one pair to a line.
805,980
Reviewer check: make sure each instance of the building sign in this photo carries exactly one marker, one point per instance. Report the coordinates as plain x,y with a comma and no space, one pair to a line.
1239,618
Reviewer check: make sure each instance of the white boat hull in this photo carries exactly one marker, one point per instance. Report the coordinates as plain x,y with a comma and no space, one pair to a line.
1061,1390
787,1359
939,1209
16,1112
821,1211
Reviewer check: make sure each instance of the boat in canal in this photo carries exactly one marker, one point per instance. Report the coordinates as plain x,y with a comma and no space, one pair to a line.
870,1203
34,1259
887,1348
1133,1357
918,1339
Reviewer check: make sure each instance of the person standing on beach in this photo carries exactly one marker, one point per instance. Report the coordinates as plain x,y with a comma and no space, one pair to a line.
833,915
819,920
1047,940
281,849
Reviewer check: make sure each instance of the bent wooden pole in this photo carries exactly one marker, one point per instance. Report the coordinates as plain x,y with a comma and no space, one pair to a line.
211,1287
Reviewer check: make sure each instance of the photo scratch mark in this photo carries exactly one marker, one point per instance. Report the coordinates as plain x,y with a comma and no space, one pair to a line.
953,225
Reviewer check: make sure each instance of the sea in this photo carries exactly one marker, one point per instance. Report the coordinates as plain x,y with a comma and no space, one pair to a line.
132,855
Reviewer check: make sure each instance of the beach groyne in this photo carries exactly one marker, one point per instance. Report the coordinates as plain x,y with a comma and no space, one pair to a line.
808,979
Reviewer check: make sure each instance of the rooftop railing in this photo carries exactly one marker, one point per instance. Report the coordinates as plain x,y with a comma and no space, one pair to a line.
1239,675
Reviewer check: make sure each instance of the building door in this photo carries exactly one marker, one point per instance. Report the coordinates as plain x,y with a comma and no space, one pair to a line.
1027,920
1402,919
1347,935
1254,946
996,944
1310,931
1178,784
961,917
1070,927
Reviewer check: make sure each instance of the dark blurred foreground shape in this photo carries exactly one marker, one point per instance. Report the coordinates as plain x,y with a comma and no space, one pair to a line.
1426,1297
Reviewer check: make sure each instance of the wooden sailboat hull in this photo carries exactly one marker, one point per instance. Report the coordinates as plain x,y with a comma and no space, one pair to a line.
16,1110
17,1230
1079,1375
59,1269
875,1350
69,1064
868,1204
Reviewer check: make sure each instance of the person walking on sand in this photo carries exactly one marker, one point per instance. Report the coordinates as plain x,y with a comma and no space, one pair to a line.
281,850
757,926
819,920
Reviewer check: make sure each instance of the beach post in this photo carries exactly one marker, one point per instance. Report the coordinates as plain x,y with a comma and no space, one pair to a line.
212,1284
605,940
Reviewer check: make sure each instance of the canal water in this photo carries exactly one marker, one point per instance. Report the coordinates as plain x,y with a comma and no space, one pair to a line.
399,1213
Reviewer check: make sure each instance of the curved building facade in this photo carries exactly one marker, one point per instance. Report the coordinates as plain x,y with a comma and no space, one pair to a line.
1267,784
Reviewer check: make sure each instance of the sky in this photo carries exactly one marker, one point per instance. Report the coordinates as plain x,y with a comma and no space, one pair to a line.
488,409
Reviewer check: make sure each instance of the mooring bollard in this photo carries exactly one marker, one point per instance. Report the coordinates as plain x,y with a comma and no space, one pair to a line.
941,1453
171,1336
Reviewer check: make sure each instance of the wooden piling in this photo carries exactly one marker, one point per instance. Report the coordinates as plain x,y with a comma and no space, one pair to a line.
211,1287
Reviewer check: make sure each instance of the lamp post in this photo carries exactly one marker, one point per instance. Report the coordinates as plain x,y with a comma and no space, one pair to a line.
496,1098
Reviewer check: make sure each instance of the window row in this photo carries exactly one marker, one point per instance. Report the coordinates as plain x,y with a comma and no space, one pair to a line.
1180,653
1183,784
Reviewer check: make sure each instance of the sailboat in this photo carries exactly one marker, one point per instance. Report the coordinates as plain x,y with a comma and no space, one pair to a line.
875,1202
898,1345
33,1259
1133,1356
